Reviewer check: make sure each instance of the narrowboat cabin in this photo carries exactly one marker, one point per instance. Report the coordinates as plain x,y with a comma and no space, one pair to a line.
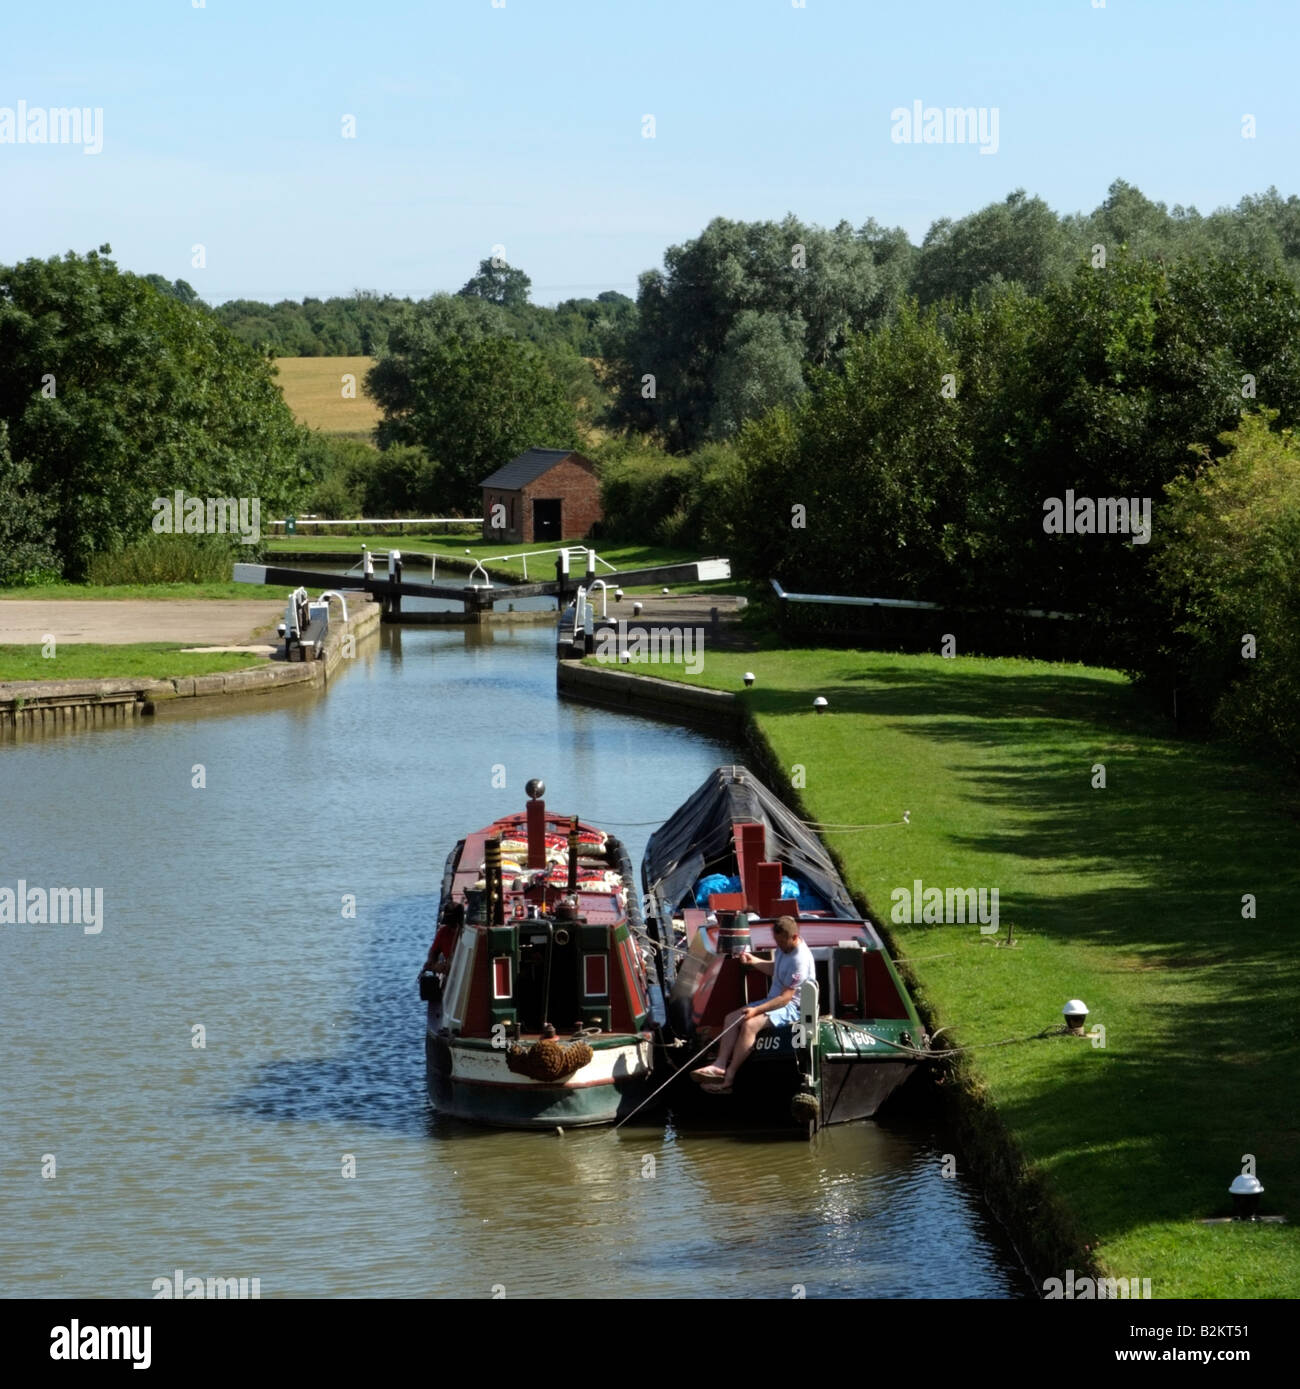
538,1003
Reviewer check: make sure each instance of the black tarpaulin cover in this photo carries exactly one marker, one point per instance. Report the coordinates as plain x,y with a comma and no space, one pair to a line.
698,836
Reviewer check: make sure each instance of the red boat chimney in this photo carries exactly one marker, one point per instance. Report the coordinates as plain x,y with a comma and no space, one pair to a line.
536,824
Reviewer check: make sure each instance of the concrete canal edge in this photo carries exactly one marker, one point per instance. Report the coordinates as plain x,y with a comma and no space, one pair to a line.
715,710
1045,1232
44,705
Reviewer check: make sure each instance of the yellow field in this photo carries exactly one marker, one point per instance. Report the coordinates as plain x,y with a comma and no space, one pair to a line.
313,390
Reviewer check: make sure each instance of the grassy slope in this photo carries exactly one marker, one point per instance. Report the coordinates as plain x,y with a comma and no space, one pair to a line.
313,390
86,661
1128,897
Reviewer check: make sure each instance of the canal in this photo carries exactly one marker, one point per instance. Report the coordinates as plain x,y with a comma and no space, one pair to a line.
269,879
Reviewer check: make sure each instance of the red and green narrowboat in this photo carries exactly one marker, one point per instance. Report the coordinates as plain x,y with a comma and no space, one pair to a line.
717,874
537,991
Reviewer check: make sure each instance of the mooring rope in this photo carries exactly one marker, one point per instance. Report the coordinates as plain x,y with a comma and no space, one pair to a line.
679,1071
826,827
932,1054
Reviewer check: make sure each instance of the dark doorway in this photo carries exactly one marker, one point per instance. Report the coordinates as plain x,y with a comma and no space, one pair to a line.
546,520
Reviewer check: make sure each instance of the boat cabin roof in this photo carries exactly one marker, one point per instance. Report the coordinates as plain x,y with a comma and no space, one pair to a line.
600,907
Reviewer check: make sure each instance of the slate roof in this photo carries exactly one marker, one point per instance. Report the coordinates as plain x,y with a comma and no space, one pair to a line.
519,472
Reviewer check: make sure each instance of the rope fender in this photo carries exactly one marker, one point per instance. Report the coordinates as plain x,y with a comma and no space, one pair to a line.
547,1059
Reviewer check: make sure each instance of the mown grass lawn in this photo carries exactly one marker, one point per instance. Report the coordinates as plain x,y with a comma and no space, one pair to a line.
1129,897
87,661
105,592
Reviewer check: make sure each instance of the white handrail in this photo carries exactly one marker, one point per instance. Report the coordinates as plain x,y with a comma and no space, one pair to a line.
526,555
908,603
386,521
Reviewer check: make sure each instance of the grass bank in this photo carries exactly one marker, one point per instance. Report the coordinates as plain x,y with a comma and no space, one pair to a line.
1128,896
88,661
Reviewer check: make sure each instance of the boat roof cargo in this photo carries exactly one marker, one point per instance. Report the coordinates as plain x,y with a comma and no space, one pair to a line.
700,833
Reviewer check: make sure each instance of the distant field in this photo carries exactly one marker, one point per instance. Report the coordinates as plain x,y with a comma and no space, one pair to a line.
313,390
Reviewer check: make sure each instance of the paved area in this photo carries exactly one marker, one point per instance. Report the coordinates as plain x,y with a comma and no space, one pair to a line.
689,610
115,622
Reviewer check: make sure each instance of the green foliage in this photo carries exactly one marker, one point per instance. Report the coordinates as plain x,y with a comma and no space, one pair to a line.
921,465
178,289
456,383
861,486
498,284
402,481
168,559
353,479
650,496
1229,566
27,554
761,366
356,326
1019,241
1121,371
116,394
592,326
839,281
339,469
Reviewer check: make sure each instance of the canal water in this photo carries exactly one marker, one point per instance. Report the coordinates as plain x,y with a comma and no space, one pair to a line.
284,906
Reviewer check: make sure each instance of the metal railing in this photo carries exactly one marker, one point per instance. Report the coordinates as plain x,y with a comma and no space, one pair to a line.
913,604
381,521
526,555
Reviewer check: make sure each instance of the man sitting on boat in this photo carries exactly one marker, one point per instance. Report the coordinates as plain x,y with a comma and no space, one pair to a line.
792,965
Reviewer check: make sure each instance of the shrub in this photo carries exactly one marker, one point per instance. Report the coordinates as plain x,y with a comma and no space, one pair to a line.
169,559
655,498
1229,566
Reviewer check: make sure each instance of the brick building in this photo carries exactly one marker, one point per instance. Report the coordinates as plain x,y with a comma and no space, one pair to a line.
546,494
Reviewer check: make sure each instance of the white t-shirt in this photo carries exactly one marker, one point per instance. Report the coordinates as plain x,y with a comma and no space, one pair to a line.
791,970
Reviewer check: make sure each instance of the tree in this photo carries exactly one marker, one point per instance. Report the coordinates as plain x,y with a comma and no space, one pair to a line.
457,384
117,394
498,283
1019,240
1228,562
834,281
761,366
26,546
862,486
178,289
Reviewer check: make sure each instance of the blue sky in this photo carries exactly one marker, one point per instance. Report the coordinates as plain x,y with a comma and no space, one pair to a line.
522,126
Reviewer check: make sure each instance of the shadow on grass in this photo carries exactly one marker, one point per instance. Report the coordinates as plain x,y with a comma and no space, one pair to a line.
1154,1127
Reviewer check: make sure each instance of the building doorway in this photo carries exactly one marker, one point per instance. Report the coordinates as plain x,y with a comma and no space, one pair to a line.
546,519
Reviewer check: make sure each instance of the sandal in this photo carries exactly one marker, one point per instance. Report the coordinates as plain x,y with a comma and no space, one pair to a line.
707,1073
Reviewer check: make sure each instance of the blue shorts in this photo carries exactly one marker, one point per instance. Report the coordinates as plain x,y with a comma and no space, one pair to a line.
786,1016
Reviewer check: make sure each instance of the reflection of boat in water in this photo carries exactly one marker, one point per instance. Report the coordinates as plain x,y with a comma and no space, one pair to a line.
539,1012
717,874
